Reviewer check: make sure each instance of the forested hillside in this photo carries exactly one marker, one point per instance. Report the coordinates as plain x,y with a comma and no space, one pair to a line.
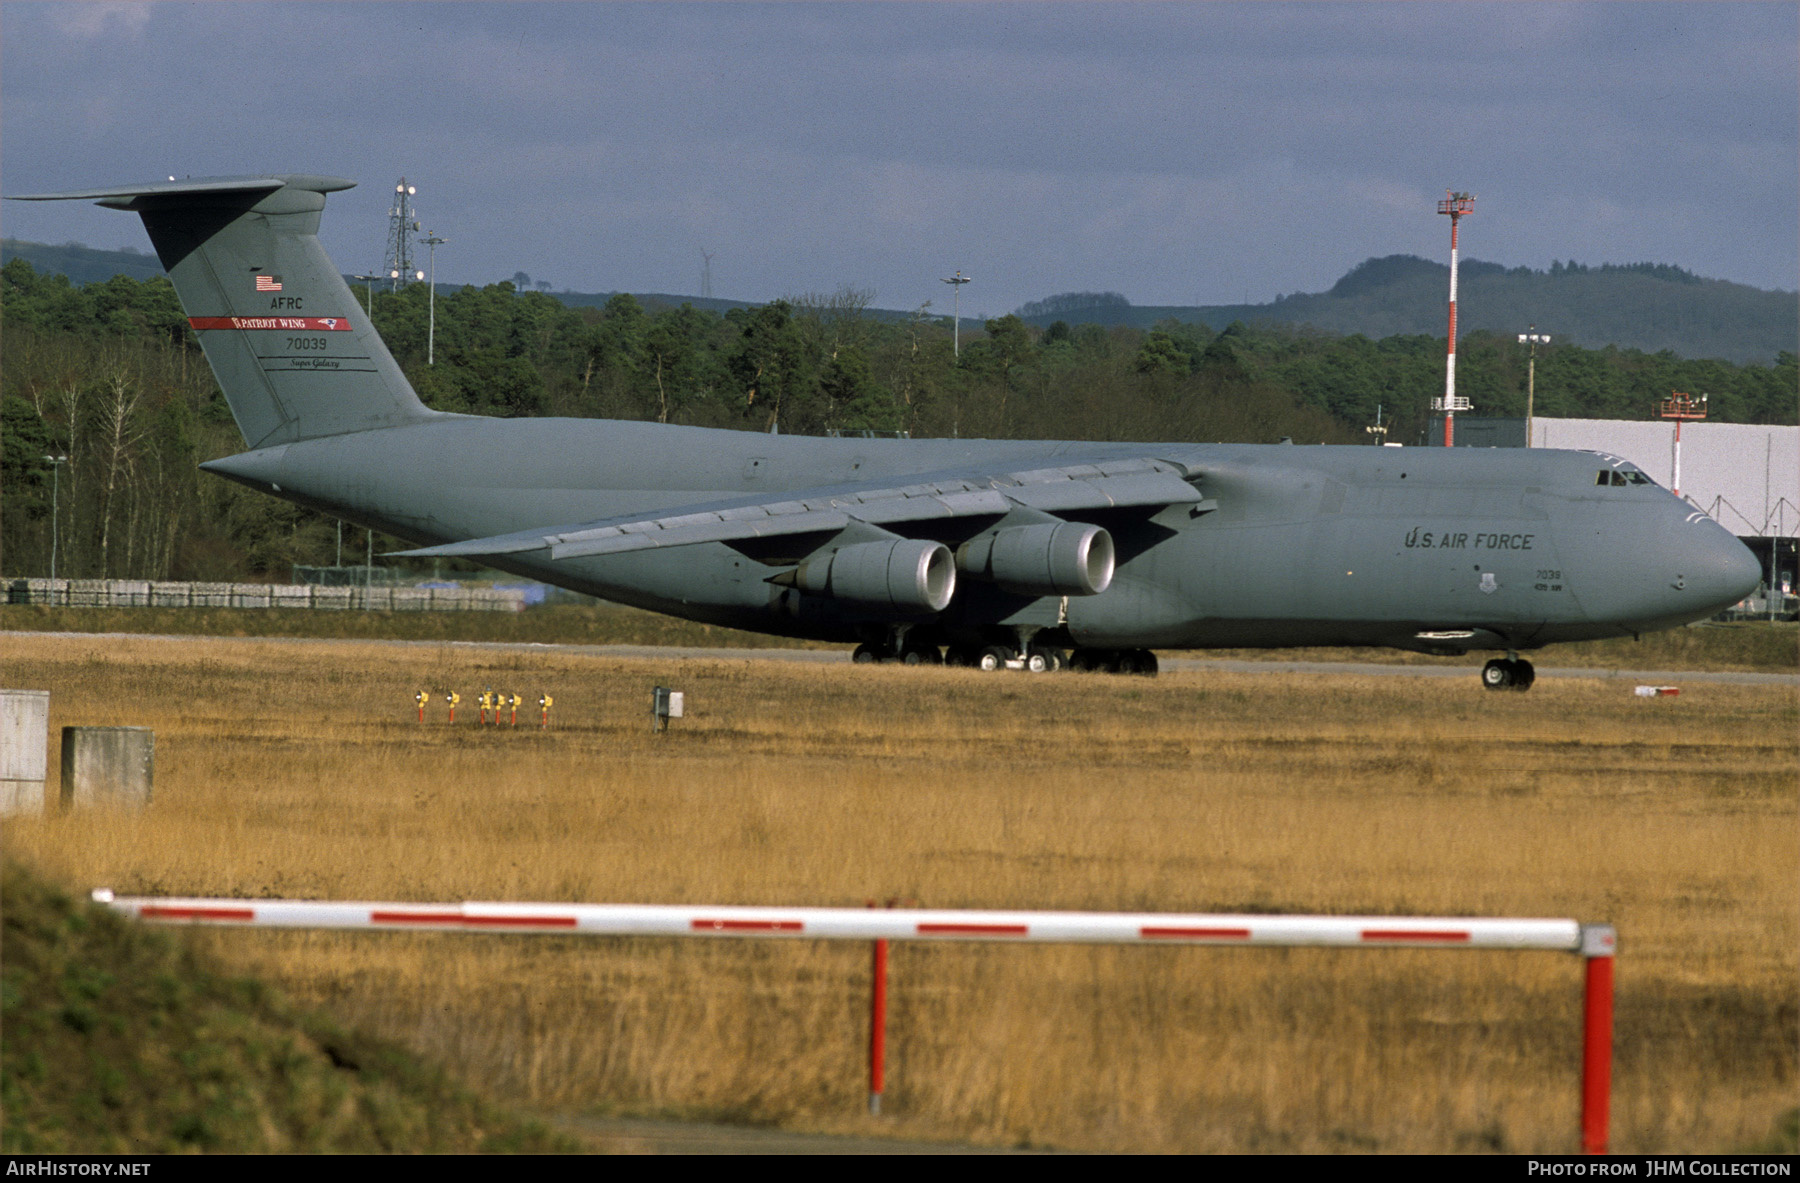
81,263
1648,306
109,375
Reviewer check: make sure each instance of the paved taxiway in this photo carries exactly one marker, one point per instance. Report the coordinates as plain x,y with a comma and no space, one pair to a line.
1272,665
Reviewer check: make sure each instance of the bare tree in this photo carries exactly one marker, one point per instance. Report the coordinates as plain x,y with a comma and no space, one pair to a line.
120,434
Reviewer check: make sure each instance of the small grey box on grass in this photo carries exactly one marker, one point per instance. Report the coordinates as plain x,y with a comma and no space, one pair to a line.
665,704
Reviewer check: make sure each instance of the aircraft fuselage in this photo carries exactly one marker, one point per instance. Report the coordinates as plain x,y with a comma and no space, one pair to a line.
1441,550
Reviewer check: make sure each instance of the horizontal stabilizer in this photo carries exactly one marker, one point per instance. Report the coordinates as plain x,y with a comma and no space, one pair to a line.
1114,484
170,188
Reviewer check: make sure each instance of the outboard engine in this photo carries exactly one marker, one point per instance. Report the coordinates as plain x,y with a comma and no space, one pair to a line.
905,575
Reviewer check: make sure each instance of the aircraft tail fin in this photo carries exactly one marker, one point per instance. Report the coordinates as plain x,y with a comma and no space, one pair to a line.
284,334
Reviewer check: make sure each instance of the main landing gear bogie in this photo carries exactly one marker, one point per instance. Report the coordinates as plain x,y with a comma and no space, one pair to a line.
1508,673
907,655
1036,659
1115,661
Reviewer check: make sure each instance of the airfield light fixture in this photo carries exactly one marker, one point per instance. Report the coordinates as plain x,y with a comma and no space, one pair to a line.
368,282
1532,338
56,462
432,242
956,281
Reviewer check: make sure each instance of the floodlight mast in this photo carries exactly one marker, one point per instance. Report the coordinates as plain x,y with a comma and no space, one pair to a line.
56,462
368,282
432,242
956,281
1458,206
1532,338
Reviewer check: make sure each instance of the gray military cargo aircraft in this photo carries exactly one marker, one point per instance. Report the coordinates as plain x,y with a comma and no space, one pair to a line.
1009,553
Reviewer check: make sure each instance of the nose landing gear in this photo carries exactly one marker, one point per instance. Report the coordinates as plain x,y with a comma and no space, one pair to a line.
1509,673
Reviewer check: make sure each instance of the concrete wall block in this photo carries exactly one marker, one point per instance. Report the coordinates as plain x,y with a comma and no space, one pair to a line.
24,749
210,595
171,595
496,599
376,599
107,766
291,595
90,593
331,598
21,797
53,592
129,593
249,595
411,599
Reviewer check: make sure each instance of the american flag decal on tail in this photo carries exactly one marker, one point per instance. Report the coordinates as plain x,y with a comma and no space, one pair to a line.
268,283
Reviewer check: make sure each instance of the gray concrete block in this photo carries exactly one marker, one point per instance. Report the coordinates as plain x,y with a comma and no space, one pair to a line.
24,750
107,766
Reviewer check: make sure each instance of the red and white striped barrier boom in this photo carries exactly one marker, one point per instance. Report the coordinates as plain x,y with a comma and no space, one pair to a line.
1595,942
861,924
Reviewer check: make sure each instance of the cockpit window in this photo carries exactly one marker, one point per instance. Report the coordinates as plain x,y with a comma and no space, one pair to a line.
1619,477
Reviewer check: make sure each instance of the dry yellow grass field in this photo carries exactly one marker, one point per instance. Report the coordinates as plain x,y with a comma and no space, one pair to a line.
298,770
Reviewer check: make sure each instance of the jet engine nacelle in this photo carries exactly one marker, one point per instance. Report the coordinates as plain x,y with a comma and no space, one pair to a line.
907,575
1049,559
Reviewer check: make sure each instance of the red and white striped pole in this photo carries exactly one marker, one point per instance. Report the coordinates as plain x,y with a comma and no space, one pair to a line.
1456,205
1598,944
878,1026
1450,358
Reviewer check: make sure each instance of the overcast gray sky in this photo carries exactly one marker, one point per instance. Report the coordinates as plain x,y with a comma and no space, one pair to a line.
1176,153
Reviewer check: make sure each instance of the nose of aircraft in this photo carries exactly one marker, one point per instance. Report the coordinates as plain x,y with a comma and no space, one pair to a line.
1716,568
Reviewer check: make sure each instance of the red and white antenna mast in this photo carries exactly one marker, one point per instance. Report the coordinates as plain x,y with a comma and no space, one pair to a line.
1457,205
1681,407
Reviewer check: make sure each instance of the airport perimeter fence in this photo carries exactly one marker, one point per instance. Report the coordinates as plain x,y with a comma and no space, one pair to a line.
147,593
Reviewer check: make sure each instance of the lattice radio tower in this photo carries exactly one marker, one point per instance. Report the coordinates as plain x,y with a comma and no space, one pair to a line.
706,273
402,225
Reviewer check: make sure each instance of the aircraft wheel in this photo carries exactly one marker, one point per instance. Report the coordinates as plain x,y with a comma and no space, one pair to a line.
1055,659
1497,674
1036,662
992,658
1137,661
960,656
1523,675
865,655
921,655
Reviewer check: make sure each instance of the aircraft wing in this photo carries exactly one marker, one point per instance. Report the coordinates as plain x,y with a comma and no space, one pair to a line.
1108,484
